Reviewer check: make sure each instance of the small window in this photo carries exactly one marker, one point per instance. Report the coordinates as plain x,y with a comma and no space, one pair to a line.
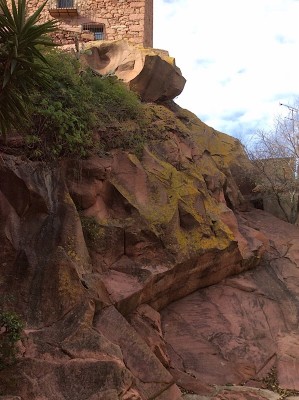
97,30
65,4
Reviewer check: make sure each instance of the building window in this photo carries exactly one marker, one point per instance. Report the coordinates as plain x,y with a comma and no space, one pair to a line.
63,8
96,29
65,4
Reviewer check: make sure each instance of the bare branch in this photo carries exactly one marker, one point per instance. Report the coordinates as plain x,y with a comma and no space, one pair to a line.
275,158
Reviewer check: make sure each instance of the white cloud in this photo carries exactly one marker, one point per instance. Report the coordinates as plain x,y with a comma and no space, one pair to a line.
239,58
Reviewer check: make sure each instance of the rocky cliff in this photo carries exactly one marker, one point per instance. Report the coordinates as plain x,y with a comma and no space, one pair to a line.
93,250
84,243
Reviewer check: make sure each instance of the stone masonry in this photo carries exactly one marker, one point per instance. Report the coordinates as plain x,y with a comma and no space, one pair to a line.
85,20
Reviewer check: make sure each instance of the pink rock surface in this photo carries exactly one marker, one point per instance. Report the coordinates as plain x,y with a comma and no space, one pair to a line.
233,331
241,393
147,322
151,378
236,393
85,244
288,360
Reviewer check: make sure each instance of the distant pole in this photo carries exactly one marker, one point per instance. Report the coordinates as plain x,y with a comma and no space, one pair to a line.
292,110
295,136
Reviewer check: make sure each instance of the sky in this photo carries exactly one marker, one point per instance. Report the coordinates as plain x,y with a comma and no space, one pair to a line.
240,59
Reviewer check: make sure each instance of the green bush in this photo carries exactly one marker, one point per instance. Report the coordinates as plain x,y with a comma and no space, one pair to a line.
115,101
67,116
11,327
91,230
60,116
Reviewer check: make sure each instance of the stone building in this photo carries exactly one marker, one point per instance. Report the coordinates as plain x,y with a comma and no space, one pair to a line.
85,20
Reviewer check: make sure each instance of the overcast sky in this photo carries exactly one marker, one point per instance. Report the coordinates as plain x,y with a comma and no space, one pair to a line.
240,58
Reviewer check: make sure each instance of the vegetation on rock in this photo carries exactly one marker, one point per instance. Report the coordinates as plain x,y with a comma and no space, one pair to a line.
271,383
91,230
78,113
11,327
21,40
59,107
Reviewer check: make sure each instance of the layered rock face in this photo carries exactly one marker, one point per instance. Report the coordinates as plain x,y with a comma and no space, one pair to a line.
93,250
243,330
150,73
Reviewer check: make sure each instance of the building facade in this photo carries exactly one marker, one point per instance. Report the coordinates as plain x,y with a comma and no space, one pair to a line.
86,20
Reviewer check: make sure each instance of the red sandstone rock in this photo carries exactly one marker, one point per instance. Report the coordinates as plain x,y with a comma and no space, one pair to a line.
156,235
288,359
10,398
243,393
236,393
234,331
150,73
147,323
151,378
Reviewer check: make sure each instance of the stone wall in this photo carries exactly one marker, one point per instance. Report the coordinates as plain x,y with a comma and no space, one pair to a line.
121,19
148,24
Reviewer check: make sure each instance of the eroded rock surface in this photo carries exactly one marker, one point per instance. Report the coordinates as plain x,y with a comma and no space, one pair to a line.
150,73
236,331
85,244
236,393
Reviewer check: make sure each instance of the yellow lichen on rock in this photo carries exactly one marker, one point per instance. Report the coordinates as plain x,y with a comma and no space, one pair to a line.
174,206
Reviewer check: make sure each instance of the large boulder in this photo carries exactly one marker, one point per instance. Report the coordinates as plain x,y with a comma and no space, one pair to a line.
150,73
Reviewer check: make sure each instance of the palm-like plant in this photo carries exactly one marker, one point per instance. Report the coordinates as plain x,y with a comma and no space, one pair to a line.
22,63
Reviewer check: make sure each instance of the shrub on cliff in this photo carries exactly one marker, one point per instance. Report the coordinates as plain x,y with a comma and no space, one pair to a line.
11,327
66,117
58,106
